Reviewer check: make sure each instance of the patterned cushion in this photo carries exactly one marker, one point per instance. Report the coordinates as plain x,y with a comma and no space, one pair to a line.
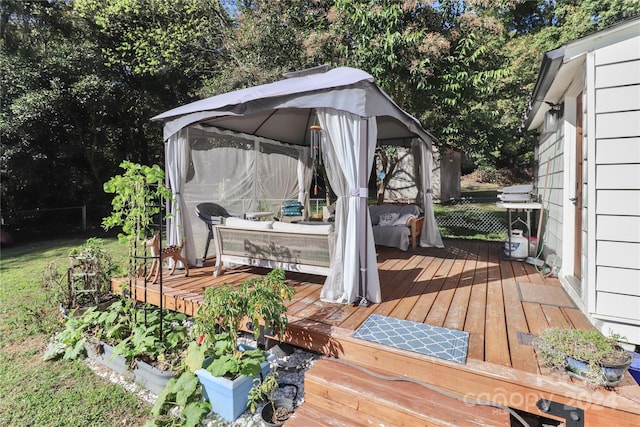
292,208
388,219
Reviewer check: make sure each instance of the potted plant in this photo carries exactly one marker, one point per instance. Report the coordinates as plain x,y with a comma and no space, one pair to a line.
276,410
228,370
587,355
126,340
138,195
85,282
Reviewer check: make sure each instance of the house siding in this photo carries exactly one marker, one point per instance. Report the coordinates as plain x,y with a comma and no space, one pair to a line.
604,70
616,290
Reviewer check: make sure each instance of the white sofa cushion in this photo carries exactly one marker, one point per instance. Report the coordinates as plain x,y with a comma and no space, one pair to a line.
247,224
405,219
320,228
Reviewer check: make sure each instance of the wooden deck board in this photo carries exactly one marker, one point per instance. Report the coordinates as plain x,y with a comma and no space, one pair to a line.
431,280
459,307
442,302
555,317
467,285
522,356
476,310
402,282
418,286
496,342
576,318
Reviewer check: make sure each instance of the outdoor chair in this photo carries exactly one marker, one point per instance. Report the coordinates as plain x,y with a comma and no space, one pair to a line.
211,214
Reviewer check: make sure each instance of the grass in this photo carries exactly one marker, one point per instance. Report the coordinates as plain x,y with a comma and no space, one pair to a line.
58,393
484,213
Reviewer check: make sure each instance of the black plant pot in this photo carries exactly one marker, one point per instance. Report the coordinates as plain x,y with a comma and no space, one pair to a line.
282,407
268,411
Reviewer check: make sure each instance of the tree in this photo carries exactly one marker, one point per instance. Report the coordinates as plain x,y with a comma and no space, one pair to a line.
55,100
400,43
80,80
79,83
150,38
464,68
388,157
529,29
268,39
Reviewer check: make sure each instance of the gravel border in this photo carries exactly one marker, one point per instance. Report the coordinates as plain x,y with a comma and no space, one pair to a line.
293,363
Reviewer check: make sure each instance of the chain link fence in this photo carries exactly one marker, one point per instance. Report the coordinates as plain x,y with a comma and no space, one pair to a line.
469,216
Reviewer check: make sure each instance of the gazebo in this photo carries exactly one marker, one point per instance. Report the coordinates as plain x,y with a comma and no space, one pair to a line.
250,149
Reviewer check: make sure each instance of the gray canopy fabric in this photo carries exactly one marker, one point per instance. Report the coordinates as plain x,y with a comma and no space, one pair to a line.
278,115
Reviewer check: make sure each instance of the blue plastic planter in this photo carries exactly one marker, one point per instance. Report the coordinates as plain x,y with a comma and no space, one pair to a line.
151,378
229,398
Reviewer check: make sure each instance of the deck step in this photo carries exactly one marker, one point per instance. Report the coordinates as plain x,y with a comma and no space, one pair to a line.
309,415
364,399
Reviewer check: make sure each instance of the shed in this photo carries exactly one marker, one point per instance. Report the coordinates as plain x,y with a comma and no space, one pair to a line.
445,177
586,109
249,148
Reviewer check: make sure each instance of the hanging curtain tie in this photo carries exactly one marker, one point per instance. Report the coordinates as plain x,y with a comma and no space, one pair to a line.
360,192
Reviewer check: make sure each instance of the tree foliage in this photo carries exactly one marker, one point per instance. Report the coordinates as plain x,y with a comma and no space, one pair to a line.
76,101
151,37
80,79
268,38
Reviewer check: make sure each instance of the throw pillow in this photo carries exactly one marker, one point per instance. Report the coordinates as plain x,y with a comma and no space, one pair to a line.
388,219
404,219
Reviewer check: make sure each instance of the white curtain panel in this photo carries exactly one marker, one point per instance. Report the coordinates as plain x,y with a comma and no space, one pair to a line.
341,144
430,235
177,164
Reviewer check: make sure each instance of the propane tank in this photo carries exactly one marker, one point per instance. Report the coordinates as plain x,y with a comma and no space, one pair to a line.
519,245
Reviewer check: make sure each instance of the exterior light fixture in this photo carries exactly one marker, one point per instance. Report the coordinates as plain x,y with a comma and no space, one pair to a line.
552,117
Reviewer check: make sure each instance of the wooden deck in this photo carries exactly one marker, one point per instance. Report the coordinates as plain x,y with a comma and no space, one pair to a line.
466,286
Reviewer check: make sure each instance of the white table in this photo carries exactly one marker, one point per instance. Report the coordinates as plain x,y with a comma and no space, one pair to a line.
519,206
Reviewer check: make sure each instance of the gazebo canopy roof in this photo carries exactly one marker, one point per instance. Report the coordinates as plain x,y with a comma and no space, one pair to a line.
283,110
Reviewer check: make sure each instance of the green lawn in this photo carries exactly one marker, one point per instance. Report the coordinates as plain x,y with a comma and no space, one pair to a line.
478,220
58,393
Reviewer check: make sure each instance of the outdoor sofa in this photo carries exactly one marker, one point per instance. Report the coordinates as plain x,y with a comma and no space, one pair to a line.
300,247
396,225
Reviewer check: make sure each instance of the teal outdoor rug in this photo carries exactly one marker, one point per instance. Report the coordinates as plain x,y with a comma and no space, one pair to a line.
443,343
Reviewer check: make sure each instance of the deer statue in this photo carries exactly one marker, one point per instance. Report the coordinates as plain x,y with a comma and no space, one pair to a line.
170,252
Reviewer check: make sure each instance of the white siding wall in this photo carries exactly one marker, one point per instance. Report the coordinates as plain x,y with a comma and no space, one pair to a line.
616,292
